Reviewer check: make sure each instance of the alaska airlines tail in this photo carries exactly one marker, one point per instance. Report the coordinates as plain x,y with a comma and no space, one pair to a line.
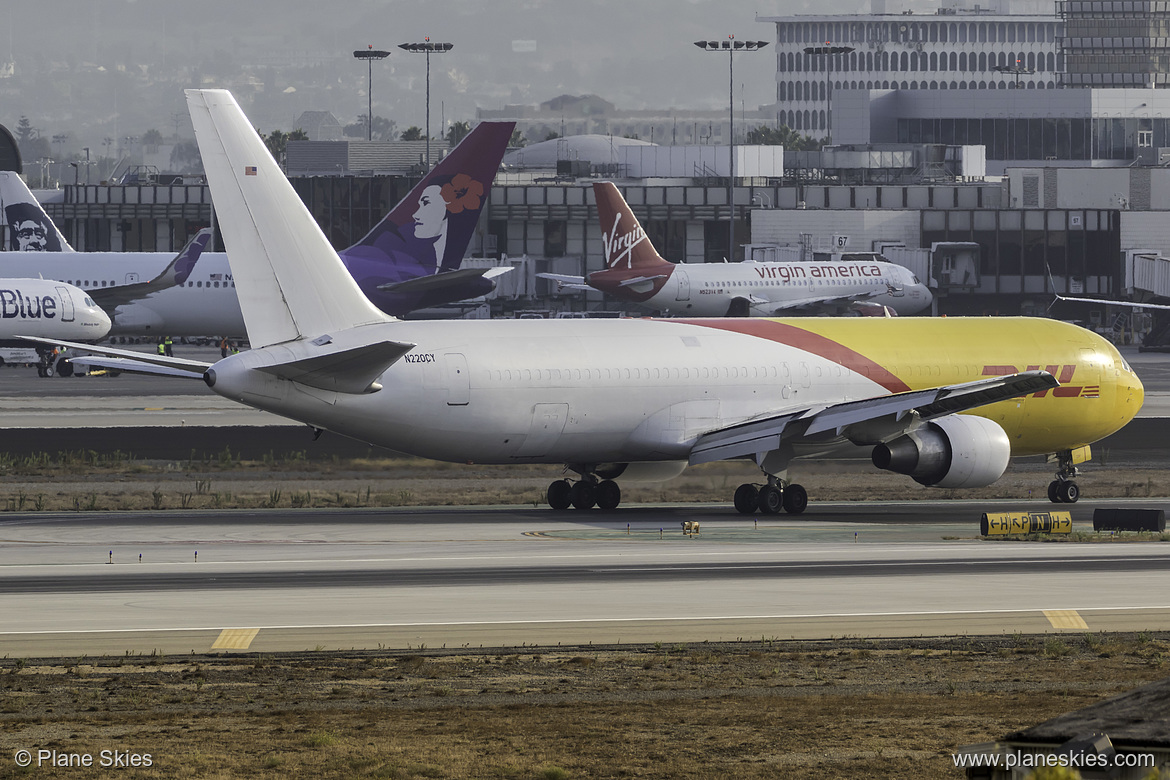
625,242
308,293
29,227
411,257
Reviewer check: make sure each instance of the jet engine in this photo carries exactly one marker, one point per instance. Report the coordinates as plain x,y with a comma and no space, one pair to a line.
956,451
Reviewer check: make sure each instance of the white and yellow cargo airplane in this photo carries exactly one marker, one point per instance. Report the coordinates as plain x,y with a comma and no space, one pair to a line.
946,401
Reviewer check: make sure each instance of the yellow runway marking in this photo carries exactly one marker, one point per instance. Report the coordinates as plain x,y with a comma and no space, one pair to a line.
235,638
1065,618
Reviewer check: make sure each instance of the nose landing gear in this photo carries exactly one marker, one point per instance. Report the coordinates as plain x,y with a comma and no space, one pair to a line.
1063,490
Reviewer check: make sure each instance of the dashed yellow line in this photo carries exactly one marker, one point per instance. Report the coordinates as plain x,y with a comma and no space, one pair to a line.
1065,618
235,638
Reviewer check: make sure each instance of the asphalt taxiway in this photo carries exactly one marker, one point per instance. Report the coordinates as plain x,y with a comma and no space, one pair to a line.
508,577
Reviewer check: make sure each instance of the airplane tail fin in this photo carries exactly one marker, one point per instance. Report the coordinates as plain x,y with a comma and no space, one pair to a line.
626,243
29,227
458,188
306,293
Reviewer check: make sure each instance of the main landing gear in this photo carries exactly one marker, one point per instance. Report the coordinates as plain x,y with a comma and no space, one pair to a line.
1063,490
771,498
586,493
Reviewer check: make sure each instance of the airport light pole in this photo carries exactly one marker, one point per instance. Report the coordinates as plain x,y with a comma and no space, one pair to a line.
828,50
731,46
427,48
369,54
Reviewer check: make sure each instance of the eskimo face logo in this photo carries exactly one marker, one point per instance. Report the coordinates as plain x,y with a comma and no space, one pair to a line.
618,248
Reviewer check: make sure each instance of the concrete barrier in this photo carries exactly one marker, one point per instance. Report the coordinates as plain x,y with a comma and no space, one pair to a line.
1129,520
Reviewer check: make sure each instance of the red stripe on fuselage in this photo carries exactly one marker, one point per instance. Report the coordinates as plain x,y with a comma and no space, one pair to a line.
809,342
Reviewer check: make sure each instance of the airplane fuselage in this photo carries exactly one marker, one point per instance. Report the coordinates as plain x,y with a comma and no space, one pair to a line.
602,391
206,305
708,289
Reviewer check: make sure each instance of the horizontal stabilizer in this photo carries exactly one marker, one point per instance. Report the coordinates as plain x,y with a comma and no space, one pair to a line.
353,370
135,367
643,280
869,420
442,280
181,364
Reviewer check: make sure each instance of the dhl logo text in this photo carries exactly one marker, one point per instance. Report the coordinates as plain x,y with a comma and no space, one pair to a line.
618,248
1063,373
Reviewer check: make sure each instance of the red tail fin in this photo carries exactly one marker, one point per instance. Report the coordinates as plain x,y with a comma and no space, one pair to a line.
625,242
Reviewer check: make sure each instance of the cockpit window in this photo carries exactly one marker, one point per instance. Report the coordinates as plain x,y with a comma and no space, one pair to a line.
89,301
1126,366
915,278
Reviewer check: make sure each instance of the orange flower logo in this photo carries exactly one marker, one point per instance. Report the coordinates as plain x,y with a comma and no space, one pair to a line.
462,192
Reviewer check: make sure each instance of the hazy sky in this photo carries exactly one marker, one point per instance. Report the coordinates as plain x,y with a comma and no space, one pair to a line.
634,53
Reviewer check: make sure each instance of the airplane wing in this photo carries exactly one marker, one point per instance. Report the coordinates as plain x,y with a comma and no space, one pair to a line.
817,303
1131,304
566,281
442,280
144,360
867,421
173,275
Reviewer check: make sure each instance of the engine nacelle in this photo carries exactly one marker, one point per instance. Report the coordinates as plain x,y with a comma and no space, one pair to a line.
956,451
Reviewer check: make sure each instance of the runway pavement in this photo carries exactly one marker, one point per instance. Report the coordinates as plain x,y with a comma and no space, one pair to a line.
337,579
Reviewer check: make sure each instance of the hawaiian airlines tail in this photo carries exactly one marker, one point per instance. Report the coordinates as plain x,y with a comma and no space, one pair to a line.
307,294
29,227
411,258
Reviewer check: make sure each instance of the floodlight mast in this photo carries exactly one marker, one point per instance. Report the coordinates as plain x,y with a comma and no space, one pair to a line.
731,46
369,54
427,48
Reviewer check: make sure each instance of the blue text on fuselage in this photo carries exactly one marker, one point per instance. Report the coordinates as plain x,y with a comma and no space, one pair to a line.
14,304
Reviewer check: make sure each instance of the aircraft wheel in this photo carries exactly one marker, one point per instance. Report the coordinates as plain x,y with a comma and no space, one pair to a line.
795,499
1069,492
583,495
40,371
1054,491
608,495
771,500
48,371
560,494
747,499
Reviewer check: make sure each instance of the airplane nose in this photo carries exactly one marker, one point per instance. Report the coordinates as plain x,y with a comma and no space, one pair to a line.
1132,395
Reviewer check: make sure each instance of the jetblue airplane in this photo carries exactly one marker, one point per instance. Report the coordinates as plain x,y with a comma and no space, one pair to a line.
409,261
636,273
49,310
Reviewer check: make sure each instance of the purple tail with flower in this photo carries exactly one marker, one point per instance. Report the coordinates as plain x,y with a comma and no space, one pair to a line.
411,259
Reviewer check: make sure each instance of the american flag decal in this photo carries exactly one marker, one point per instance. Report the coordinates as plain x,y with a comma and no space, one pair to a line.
249,170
